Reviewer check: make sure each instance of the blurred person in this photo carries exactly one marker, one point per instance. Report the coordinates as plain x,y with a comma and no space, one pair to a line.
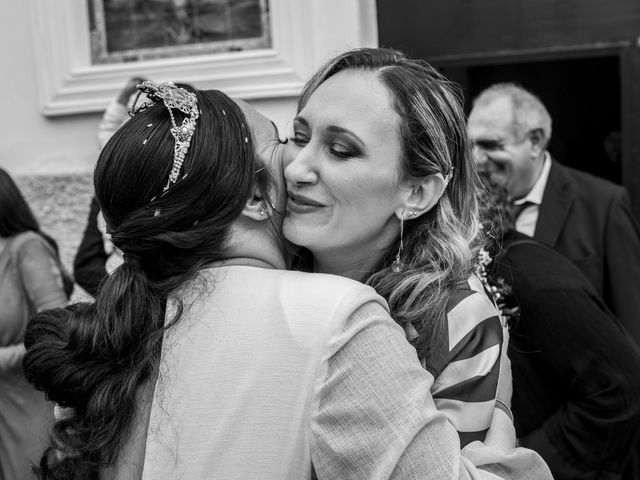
201,356
31,279
585,218
576,388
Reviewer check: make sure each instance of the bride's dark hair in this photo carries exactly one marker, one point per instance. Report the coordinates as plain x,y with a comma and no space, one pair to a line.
95,357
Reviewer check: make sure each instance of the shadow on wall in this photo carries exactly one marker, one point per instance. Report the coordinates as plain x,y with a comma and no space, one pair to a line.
61,205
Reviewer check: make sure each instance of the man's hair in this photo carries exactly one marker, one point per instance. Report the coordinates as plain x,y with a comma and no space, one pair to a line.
528,110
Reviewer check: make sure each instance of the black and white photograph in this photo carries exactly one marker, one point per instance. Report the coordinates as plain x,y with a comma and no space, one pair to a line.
320,240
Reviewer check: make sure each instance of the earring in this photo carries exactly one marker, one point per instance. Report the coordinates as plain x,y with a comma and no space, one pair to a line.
396,266
262,212
411,213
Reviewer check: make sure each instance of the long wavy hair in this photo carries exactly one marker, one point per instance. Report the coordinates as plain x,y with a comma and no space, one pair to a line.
440,246
15,214
96,357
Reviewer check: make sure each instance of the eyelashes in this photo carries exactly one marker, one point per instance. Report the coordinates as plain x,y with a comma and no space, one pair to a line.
336,149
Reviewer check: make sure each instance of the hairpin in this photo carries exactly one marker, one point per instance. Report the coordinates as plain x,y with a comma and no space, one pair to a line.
177,98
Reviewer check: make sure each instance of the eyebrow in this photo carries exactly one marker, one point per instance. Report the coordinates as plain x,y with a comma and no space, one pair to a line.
332,129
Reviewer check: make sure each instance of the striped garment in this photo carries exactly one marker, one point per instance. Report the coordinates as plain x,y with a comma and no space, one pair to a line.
466,378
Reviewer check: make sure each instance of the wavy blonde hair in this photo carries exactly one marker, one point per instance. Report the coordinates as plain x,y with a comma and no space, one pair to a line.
440,246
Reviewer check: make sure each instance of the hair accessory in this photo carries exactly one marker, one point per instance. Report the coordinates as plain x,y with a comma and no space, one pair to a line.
177,98
448,177
396,266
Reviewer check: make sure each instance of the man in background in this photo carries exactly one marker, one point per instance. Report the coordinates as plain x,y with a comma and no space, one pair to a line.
585,218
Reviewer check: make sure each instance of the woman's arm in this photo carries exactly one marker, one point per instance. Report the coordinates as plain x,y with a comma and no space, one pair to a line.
40,275
376,418
466,388
11,357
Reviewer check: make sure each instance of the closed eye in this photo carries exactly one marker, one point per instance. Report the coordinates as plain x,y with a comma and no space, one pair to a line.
299,139
341,152
488,144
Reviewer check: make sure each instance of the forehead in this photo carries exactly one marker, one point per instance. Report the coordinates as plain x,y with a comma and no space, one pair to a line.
262,129
492,118
356,100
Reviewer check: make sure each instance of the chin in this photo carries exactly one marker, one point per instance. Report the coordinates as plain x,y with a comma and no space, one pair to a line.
313,237
500,179
293,233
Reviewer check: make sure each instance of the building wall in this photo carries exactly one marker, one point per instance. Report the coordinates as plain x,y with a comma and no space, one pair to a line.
32,144
52,157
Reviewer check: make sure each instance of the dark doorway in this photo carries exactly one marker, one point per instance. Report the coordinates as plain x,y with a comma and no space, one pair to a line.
583,98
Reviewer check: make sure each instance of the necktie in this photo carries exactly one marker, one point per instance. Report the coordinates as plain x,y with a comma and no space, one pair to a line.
516,210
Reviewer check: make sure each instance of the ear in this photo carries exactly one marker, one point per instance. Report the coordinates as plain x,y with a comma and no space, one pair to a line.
538,141
421,196
256,208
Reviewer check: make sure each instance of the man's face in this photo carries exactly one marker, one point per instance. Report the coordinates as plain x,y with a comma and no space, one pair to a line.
500,149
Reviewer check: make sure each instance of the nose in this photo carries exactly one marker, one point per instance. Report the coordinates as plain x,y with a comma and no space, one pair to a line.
299,165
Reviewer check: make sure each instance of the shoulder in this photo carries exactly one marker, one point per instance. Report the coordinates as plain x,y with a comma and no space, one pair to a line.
589,184
331,291
28,241
469,298
471,313
297,294
534,269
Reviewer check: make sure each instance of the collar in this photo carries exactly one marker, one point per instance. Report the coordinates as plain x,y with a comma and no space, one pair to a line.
537,191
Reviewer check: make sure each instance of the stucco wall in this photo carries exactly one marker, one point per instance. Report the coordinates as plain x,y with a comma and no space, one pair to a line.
32,144
51,158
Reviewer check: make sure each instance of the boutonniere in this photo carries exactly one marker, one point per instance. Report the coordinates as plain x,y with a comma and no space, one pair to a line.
500,291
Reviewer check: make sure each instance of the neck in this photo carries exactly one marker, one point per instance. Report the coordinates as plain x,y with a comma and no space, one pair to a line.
253,245
357,261
346,264
536,175
355,271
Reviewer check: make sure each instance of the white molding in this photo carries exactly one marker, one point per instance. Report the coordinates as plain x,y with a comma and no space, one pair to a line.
304,34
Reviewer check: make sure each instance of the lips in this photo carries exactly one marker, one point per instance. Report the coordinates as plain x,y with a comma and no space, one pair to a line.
300,204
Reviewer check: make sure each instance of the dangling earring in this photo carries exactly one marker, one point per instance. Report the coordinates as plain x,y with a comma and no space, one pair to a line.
396,266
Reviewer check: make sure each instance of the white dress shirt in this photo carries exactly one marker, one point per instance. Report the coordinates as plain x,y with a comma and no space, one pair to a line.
528,218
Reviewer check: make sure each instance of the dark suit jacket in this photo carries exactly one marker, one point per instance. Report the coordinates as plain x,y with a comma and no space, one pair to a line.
589,220
576,388
89,264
